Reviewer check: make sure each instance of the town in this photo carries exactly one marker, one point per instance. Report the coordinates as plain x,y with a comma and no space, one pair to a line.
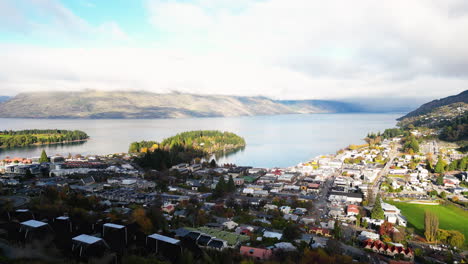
372,203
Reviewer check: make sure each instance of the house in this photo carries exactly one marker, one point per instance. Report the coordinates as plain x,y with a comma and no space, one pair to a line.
165,245
230,225
33,229
86,245
365,235
320,231
272,234
285,209
285,246
389,250
352,210
256,253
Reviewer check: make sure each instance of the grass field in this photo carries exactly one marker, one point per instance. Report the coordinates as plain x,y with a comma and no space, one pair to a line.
450,217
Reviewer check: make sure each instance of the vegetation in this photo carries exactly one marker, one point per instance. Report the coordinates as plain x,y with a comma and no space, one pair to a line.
411,144
185,147
22,138
450,216
43,157
377,211
431,225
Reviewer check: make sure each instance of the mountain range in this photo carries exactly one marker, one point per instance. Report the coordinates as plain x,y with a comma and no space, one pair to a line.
431,106
120,104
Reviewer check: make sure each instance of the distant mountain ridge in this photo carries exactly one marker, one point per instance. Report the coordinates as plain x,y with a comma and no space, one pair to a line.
428,107
119,104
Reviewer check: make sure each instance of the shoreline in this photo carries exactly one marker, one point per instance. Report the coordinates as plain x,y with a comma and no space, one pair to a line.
44,144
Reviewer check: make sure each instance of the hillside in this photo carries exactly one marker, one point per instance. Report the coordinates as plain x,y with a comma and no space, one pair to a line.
98,104
428,107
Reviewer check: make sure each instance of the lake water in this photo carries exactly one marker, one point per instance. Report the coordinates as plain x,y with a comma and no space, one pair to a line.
281,140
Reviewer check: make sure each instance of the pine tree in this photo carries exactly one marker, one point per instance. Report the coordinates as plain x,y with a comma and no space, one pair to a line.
43,157
377,211
231,187
220,187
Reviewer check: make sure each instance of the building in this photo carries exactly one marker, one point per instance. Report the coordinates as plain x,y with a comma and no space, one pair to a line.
256,253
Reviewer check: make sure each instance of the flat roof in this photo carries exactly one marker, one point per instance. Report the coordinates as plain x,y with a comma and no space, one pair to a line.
87,239
114,226
62,218
33,223
166,239
22,210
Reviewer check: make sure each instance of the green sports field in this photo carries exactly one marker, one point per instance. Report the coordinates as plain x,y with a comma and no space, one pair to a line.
450,217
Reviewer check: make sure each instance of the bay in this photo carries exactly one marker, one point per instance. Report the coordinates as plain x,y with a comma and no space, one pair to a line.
272,141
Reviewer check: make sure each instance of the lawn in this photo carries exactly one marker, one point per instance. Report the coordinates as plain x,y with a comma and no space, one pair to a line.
450,217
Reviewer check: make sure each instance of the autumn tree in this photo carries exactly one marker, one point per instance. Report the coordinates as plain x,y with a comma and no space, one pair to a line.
386,229
139,216
431,225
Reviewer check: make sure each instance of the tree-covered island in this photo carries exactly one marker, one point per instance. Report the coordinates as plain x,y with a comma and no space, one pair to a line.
23,138
184,147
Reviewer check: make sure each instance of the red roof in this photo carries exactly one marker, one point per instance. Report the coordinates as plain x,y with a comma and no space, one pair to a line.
258,253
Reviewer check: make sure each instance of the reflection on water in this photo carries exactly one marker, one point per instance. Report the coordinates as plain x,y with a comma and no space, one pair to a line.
52,149
282,140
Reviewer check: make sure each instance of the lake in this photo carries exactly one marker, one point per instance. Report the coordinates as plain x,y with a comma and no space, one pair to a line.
272,141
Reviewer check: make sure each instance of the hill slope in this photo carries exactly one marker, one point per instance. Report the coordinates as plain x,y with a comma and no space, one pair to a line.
428,107
98,104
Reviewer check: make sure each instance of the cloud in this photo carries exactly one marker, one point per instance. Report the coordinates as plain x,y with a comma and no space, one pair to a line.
283,49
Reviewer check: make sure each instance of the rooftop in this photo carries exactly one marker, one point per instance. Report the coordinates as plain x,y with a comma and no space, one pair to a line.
87,239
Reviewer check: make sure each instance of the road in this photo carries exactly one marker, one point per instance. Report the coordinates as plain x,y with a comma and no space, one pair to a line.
378,180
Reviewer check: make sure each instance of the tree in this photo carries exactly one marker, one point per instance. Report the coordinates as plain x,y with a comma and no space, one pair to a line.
431,225
358,220
377,211
213,163
440,180
440,166
337,231
231,187
462,164
139,216
456,239
365,224
443,194
220,189
386,229
43,157
291,232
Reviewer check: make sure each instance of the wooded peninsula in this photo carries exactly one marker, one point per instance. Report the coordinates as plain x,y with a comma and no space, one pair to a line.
23,138
184,147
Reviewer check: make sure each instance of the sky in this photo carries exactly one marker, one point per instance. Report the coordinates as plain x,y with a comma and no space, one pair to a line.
284,49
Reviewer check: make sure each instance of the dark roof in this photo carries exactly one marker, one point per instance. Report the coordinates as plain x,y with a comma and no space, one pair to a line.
215,243
355,195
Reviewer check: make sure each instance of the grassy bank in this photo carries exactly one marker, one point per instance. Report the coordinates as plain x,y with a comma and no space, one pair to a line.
450,216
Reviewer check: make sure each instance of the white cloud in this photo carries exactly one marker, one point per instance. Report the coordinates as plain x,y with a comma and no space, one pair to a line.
284,49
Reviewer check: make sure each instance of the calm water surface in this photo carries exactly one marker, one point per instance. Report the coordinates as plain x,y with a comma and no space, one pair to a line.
282,140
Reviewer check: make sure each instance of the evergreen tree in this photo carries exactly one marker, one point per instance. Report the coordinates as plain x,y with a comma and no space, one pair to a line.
337,232
440,180
231,187
43,157
377,211
220,187
213,163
